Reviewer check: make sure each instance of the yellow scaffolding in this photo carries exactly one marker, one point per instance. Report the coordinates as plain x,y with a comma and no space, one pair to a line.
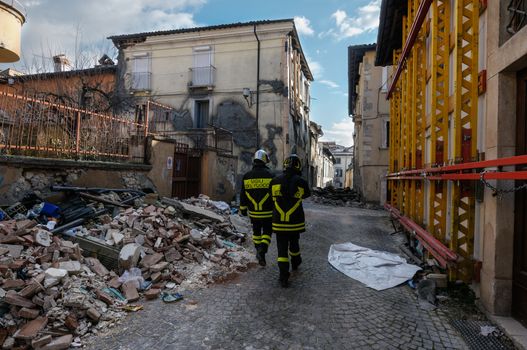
448,134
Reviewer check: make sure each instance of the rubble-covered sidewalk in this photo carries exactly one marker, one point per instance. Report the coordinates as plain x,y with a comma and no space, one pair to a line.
71,269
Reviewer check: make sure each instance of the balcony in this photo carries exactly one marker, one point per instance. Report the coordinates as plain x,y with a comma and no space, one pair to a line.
202,77
211,138
141,81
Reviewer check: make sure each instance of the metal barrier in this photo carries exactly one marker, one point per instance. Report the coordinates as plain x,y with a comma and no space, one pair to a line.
33,127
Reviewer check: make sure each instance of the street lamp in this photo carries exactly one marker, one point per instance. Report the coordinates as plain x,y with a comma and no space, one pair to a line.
248,95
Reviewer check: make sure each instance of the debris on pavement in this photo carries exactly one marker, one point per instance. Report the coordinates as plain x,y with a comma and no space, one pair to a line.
376,269
104,252
335,196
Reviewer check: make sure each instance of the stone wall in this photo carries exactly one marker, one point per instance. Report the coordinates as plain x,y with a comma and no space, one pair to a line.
21,177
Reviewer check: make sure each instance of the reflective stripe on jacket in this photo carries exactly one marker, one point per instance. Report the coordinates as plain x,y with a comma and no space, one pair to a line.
287,192
255,196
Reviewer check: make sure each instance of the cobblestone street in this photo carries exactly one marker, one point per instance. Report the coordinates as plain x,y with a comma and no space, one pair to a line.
323,309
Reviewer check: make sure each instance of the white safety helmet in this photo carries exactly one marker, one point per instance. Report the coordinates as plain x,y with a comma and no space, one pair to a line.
262,156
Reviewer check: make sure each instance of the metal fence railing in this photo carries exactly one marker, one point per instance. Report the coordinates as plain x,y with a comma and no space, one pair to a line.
202,76
33,127
161,123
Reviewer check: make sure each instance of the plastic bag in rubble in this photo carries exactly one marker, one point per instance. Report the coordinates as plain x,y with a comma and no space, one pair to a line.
220,205
134,275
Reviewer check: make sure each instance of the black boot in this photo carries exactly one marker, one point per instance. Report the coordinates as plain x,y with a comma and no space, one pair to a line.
295,262
261,258
260,255
284,280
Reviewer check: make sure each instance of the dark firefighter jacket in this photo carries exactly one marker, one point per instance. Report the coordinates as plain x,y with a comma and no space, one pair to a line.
288,191
255,196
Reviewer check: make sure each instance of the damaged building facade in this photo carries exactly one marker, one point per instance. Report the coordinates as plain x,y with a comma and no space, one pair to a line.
369,110
247,79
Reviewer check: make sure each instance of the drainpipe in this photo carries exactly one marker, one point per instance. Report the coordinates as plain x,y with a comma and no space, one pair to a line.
257,91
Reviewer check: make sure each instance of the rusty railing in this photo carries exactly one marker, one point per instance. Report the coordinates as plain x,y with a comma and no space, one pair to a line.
37,128
160,121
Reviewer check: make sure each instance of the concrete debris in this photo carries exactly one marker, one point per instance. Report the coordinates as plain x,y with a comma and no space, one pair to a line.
336,196
60,285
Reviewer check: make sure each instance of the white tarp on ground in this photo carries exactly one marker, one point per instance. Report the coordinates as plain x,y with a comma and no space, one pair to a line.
376,269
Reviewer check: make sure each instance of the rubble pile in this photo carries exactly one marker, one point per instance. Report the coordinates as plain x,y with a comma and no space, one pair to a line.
53,292
336,196
49,295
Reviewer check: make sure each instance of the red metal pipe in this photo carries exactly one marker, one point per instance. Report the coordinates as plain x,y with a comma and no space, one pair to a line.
410,41
500,162
495,175
443,255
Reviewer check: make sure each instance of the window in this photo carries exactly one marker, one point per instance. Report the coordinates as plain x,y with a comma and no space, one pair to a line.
201,114
338,172
385,143
202,70
337,160
141,72
517,16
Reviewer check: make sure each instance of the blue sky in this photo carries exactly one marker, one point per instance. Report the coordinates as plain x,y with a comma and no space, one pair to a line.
326,28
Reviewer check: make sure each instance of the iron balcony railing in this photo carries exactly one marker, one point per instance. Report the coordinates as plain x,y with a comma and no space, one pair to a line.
517,15
202,76
212,138
141,81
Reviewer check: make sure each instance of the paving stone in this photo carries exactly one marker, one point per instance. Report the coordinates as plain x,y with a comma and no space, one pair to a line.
322,309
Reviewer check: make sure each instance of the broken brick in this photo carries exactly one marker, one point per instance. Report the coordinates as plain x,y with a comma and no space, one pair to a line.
152,293
28,313
12,298
40,342
95,265
130,291
93,314
13,284
59,343
32,328
151,259
71,322
104,297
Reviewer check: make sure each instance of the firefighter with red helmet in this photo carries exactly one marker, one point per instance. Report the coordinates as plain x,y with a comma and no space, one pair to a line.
255,200
288,191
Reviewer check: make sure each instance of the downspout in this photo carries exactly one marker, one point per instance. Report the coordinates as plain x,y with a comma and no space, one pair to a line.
257,91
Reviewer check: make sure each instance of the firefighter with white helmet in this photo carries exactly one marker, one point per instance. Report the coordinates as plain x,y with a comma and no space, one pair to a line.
255,200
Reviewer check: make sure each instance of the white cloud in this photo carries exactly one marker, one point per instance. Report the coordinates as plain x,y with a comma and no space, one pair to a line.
315,67
366,20
341,132
329,83
55,26
303,26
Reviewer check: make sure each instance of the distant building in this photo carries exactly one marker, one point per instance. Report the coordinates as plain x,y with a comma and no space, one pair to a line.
328,170
343,158
315,155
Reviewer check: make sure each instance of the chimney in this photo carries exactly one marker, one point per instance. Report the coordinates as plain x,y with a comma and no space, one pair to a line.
61,63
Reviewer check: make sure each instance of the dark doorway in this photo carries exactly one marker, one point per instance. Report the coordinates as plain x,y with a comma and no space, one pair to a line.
202,114
519,285
187,172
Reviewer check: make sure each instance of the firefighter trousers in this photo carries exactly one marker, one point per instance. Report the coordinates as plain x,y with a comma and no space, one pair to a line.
262,231
288,250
